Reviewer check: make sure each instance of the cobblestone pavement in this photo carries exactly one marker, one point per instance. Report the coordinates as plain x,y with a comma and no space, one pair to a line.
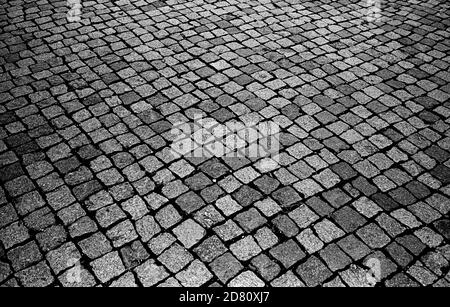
90,194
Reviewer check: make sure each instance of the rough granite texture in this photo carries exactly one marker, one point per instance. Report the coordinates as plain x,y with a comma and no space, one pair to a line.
90,194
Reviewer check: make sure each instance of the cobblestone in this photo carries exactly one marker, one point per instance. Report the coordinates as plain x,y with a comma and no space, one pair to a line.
246,279
313,272
89,180
175,258
108,267
245,248
24,255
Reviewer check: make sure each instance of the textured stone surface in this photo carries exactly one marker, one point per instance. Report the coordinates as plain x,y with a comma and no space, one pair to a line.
89,184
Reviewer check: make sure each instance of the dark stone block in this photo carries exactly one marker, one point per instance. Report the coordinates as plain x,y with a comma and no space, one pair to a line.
247,196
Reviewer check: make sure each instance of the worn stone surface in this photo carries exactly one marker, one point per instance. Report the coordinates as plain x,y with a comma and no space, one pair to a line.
89,183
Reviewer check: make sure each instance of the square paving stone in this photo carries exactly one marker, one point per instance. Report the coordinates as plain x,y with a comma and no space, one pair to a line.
390,225
109,215
212,193
385,202
373,236
246,279
195,275
214,168
158,244
348,219
287,280
189,233
210,249
136,207
208,216
190,202
411,243
399,254
40,219
355,276
337,198
436,262
310,241
401,280
174,189
51,237
19,186
175,258
268,207
38,275
245,249
81,227
354,247
266,238
60,198
288,253
7,215
167,216
226,267
228,231
63,257
442,173
155,201
83,191
443,226
334,257
313,272
250,220
419,190
246,175
424,212
266,267
95,245
303,216
11,172
133,254
122,233
246,196
319,206
228,205
13,234
29,202
198,181
125,281
328,231
439,202
70,214
267,184
147,228
108,266
344,170
285,225
24,255
286,197
366,207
